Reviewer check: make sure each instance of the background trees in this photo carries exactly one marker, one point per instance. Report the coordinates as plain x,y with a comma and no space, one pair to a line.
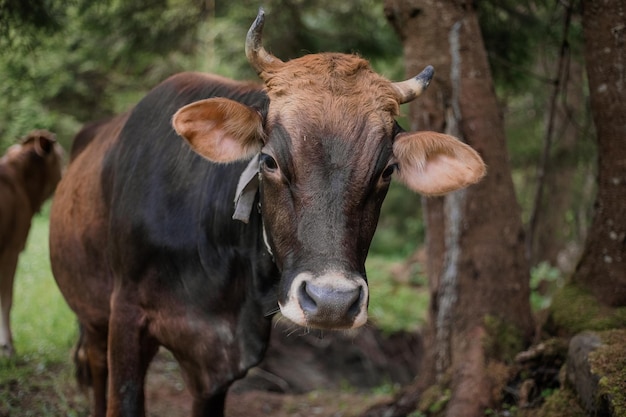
467,365
602,268
478,273
86,60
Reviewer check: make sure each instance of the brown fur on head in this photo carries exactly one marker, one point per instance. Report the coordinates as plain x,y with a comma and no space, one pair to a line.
36,162
43,141
325,85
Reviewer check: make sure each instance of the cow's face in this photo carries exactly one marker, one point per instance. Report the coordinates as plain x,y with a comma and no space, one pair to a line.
328,147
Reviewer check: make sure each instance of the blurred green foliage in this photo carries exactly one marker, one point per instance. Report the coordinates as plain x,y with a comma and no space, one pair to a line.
394,306
98,58
401,229
545,281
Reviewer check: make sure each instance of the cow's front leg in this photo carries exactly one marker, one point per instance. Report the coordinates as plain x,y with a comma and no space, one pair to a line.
209,407
130,351
8,264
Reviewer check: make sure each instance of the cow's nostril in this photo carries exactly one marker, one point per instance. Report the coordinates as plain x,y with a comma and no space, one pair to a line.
307,300
355,308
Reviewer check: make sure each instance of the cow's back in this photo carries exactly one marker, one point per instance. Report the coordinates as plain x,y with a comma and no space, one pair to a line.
138,203
78,225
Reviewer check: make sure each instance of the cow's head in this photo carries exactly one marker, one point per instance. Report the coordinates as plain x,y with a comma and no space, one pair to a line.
328,146
39,159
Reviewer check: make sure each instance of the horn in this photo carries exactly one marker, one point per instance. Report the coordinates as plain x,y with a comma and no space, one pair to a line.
409,90
257,55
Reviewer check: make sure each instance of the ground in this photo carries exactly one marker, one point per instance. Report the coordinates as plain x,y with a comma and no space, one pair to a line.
303,375
167,397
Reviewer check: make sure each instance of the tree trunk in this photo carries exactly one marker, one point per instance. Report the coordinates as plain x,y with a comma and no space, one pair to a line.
422,42
477,271
602,268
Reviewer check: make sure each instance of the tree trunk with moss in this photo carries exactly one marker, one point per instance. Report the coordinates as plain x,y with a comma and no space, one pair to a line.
478,273
602,268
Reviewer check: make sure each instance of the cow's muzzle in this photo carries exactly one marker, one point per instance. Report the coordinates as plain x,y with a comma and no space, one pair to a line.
330,301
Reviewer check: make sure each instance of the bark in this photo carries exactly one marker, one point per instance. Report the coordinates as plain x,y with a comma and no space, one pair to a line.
477,266
412,21
602,268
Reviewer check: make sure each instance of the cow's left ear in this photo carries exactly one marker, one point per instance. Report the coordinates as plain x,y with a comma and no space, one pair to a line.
44,142
432,163
220,129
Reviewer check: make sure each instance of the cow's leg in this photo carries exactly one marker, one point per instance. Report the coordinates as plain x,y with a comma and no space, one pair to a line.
8,264
130,351
209,407
90,358
207,402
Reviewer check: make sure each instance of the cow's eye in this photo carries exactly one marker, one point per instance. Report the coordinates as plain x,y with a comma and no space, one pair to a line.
268,163
388,172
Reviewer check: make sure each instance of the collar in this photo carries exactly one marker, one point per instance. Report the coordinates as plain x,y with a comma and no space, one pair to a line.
247,188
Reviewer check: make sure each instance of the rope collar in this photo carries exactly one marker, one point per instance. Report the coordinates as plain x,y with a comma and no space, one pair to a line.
247,188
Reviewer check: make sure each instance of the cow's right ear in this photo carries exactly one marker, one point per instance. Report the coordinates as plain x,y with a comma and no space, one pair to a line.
432,163
220,129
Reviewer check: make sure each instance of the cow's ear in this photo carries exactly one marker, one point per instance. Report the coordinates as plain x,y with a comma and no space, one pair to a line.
220,129
44,142
433,163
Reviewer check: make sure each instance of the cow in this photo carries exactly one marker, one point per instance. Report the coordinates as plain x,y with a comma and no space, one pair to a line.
192,219
29,173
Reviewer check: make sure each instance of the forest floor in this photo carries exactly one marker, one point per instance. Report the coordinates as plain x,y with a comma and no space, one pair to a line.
167,397
334,375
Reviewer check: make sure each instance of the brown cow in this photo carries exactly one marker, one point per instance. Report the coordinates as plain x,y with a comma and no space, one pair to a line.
146,249
29,173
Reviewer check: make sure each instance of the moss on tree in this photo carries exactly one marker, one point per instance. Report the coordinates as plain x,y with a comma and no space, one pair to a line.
574,310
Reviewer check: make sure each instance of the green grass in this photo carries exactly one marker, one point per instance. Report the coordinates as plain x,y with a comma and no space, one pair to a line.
34,381
43,324
394,306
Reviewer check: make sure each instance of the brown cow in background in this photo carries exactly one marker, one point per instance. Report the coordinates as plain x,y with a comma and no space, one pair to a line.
29,173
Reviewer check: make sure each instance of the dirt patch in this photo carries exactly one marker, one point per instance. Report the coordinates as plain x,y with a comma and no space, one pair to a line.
326,375
363,360
165,398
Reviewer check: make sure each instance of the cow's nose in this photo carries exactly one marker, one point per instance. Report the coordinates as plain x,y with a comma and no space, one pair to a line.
332,300
324,304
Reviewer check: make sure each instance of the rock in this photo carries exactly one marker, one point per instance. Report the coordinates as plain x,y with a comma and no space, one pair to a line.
580,376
